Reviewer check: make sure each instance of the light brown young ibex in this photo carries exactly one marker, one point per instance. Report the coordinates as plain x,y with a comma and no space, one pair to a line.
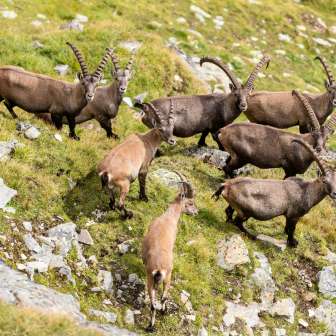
206,113
266,199
36,93
131,159
105,105
281,109
269,147
158,245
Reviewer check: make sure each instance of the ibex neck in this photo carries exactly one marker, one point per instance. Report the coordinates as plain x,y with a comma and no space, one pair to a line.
309,138
323,106
153,139
77,100
315,192
230,110
175,209
114,93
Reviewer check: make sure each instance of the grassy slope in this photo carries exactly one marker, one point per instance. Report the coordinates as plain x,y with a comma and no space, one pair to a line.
42,194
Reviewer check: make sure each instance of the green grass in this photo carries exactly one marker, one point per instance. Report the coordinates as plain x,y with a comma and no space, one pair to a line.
15,321
42,194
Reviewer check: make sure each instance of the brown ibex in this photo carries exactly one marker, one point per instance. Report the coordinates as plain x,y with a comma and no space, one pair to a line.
158,245
36,93
282,110
269,147
105,105
206,113
131,159
267,199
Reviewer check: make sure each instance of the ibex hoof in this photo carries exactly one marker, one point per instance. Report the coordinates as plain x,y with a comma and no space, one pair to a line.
150,329
75,137
115,136
292,243
143,198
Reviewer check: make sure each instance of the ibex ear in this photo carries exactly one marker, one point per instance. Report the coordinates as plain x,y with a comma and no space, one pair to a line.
80,76
231,86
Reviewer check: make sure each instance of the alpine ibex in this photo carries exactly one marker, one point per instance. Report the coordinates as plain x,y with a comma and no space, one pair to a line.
206,113
36,93
105,105
158,245
269,147
282,110
266,199
131,159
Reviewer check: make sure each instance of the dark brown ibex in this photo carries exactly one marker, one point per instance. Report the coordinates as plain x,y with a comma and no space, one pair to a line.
105,105
206,113
158,245
282,110
36,93
131,159
266,199
269,147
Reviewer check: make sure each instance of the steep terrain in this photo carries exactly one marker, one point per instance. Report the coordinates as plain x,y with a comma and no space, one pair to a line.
56,181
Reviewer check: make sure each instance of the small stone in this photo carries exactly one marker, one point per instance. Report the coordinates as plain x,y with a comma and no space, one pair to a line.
124,247
133,278
303,323
93,260
131,46
6,194
105,280
285,308
7,14
284,38
73,25
200,14
309,296
327,281
107,302
32,133
129,317
280,332
20,267
58,137
37,23
322,42
38,266
333,29
181,20
27,225
85,237
7,148
41,16
108,316
127,101
81,18
232,251
280,244
184,296
62,69
31,243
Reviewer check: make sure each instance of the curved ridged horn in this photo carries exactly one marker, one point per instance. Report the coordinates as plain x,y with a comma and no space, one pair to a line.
249,83
103,63
316,157
156,111
222,66
80,59
327,69
331,123
187,187
115,61
130,62
171,112
311,114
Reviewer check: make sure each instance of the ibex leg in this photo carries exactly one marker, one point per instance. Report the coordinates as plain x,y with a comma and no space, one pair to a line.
232,163
10,106
290,229
72,125
106,124
142,183
201,142
151,292
166,286
216,139
229,213
124,189
57,120
238,221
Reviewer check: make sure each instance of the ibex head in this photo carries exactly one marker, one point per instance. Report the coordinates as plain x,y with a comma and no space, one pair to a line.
241,92
328,175
160,122
187,194
89,81
330,83
122,76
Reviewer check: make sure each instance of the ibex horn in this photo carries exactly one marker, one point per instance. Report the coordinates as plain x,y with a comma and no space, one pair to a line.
103,63
222,66
115,61
316,157
171,112
188,189
311,114
331,123
80,59
265,60
327,69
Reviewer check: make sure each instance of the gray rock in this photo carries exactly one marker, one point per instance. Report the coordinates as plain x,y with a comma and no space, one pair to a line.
129,317
31,243
8,14
200,14
108,316
105,281
281,244
131,46
124,246
36,266
6,194
16,288
29,131
7,148
249,314
202,332
331,257
232,251
27,226
37,45
66,271
81,18
213,156
85,237
280,332
327,281
73,25
167,177
62,69
284,308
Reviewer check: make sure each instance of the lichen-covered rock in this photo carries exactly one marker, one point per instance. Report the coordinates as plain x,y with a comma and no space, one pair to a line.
326,313
6,194
327,281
